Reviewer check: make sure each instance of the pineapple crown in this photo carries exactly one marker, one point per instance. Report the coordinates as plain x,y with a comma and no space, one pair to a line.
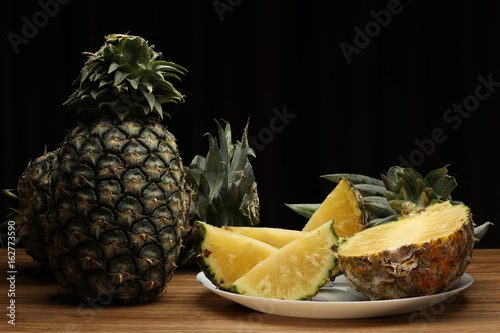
224,185
125,77
224,181
398,193
407,190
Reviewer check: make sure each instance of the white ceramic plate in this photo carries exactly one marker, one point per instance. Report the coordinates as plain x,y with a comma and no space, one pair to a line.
338,300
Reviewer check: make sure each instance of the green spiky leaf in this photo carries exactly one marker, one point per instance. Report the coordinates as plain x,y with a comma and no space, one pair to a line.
125,78
481,230
224,182
306,210
353,178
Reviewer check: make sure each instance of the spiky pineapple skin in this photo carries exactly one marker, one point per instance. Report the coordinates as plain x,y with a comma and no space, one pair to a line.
33,194
119,209
412,270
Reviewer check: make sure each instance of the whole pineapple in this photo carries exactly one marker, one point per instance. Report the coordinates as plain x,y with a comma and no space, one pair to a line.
119,200
33,189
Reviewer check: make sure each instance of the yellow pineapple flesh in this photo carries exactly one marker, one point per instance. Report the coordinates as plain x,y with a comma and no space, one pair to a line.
224,256
296,271
344,206
276,237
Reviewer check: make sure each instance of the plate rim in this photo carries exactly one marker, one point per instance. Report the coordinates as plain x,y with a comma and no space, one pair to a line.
463,283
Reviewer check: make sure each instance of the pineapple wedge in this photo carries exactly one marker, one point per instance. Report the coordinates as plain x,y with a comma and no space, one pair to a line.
296,271
224,256
273,236
344,205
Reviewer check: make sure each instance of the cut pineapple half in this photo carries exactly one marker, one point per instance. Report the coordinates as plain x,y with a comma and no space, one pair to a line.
422,254
224,256
344,205
296,271
273,236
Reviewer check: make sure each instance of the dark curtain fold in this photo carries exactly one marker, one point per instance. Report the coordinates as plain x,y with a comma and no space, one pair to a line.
328,86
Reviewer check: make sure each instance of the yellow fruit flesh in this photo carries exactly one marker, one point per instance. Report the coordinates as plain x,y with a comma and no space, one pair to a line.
341,206
437,221
228,255
296,271
273,236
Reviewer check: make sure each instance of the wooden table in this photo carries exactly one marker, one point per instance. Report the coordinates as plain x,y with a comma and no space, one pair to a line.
41,306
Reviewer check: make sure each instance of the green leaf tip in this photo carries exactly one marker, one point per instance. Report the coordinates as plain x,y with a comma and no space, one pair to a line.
126,77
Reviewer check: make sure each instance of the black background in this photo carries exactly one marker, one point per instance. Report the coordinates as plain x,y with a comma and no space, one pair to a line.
248,58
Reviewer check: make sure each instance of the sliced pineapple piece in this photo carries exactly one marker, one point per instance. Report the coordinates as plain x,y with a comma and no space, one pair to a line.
273,236
422,254
344,205
225,256
296,271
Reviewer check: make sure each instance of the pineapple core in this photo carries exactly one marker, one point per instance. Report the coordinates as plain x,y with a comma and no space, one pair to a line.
437,221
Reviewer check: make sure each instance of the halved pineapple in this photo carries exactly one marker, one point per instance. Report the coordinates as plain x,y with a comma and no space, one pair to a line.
344,205
273,236
224,256
422,254
296,271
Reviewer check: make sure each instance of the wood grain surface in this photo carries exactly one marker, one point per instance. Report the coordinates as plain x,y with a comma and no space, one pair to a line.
42,306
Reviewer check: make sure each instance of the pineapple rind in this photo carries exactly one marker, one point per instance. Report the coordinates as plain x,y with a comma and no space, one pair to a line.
117,218
31,217
411,270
